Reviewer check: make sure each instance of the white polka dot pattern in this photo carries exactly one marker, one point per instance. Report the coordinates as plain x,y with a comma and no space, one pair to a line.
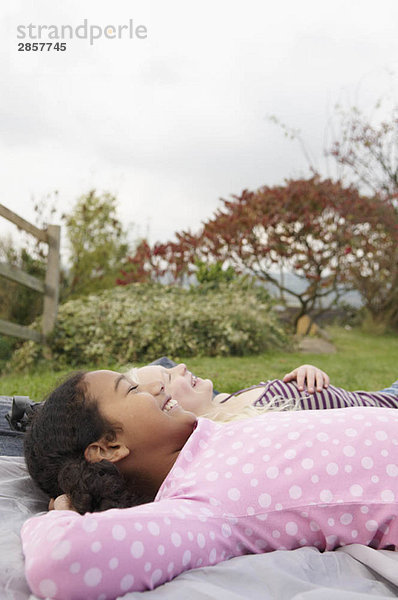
127,582
118,532
282,481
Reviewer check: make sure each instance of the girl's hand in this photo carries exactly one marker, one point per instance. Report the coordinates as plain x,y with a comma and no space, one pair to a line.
311,376
60,503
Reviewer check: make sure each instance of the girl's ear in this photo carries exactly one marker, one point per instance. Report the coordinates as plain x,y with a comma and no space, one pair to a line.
103,449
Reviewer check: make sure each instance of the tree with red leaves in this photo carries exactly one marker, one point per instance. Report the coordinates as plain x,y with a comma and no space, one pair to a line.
144,265
309,226
372,268
315,228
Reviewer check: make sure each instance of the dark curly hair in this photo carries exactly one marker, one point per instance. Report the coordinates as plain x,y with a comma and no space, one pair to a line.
54,444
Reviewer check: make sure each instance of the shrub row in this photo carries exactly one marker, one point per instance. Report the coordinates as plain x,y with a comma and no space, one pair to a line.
141,322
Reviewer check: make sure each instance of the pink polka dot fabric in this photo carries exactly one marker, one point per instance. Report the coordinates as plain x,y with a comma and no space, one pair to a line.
279,481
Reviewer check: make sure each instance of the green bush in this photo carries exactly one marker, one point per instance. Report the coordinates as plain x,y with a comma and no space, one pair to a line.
141,322
7,345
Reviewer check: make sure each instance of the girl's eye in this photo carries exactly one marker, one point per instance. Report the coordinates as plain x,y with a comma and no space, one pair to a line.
133,387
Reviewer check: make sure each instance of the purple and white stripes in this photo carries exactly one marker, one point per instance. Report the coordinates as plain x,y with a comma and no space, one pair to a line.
330,397
278,393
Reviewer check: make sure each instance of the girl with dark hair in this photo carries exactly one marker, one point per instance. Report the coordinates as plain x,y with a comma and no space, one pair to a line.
210,490
54,451
60,445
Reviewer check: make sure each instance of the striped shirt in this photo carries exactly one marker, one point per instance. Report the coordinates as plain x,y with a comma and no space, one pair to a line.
278,392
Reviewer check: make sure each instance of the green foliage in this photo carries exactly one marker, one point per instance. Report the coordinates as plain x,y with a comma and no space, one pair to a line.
97,243
7,346
19,303
212,274
145,321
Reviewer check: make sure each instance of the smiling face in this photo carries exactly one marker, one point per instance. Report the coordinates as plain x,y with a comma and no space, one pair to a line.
150,428
192,393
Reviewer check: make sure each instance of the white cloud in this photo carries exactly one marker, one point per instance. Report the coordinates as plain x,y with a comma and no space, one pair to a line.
173,122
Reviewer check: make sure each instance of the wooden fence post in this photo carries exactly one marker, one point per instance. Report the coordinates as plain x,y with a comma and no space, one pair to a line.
52,279
50,287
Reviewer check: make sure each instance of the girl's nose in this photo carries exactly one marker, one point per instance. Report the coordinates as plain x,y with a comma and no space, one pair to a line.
156,388
181,369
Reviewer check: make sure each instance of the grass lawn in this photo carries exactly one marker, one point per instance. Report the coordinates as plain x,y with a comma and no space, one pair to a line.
362,361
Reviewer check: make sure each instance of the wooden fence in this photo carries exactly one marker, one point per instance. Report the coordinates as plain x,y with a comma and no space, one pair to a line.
50,287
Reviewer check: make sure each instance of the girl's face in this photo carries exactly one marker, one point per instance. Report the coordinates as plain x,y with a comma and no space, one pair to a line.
192,393
148,423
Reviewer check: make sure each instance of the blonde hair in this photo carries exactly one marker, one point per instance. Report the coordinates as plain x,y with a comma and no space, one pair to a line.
276,404
133,374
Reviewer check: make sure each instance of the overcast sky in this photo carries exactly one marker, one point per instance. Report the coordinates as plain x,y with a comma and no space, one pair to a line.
173,122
